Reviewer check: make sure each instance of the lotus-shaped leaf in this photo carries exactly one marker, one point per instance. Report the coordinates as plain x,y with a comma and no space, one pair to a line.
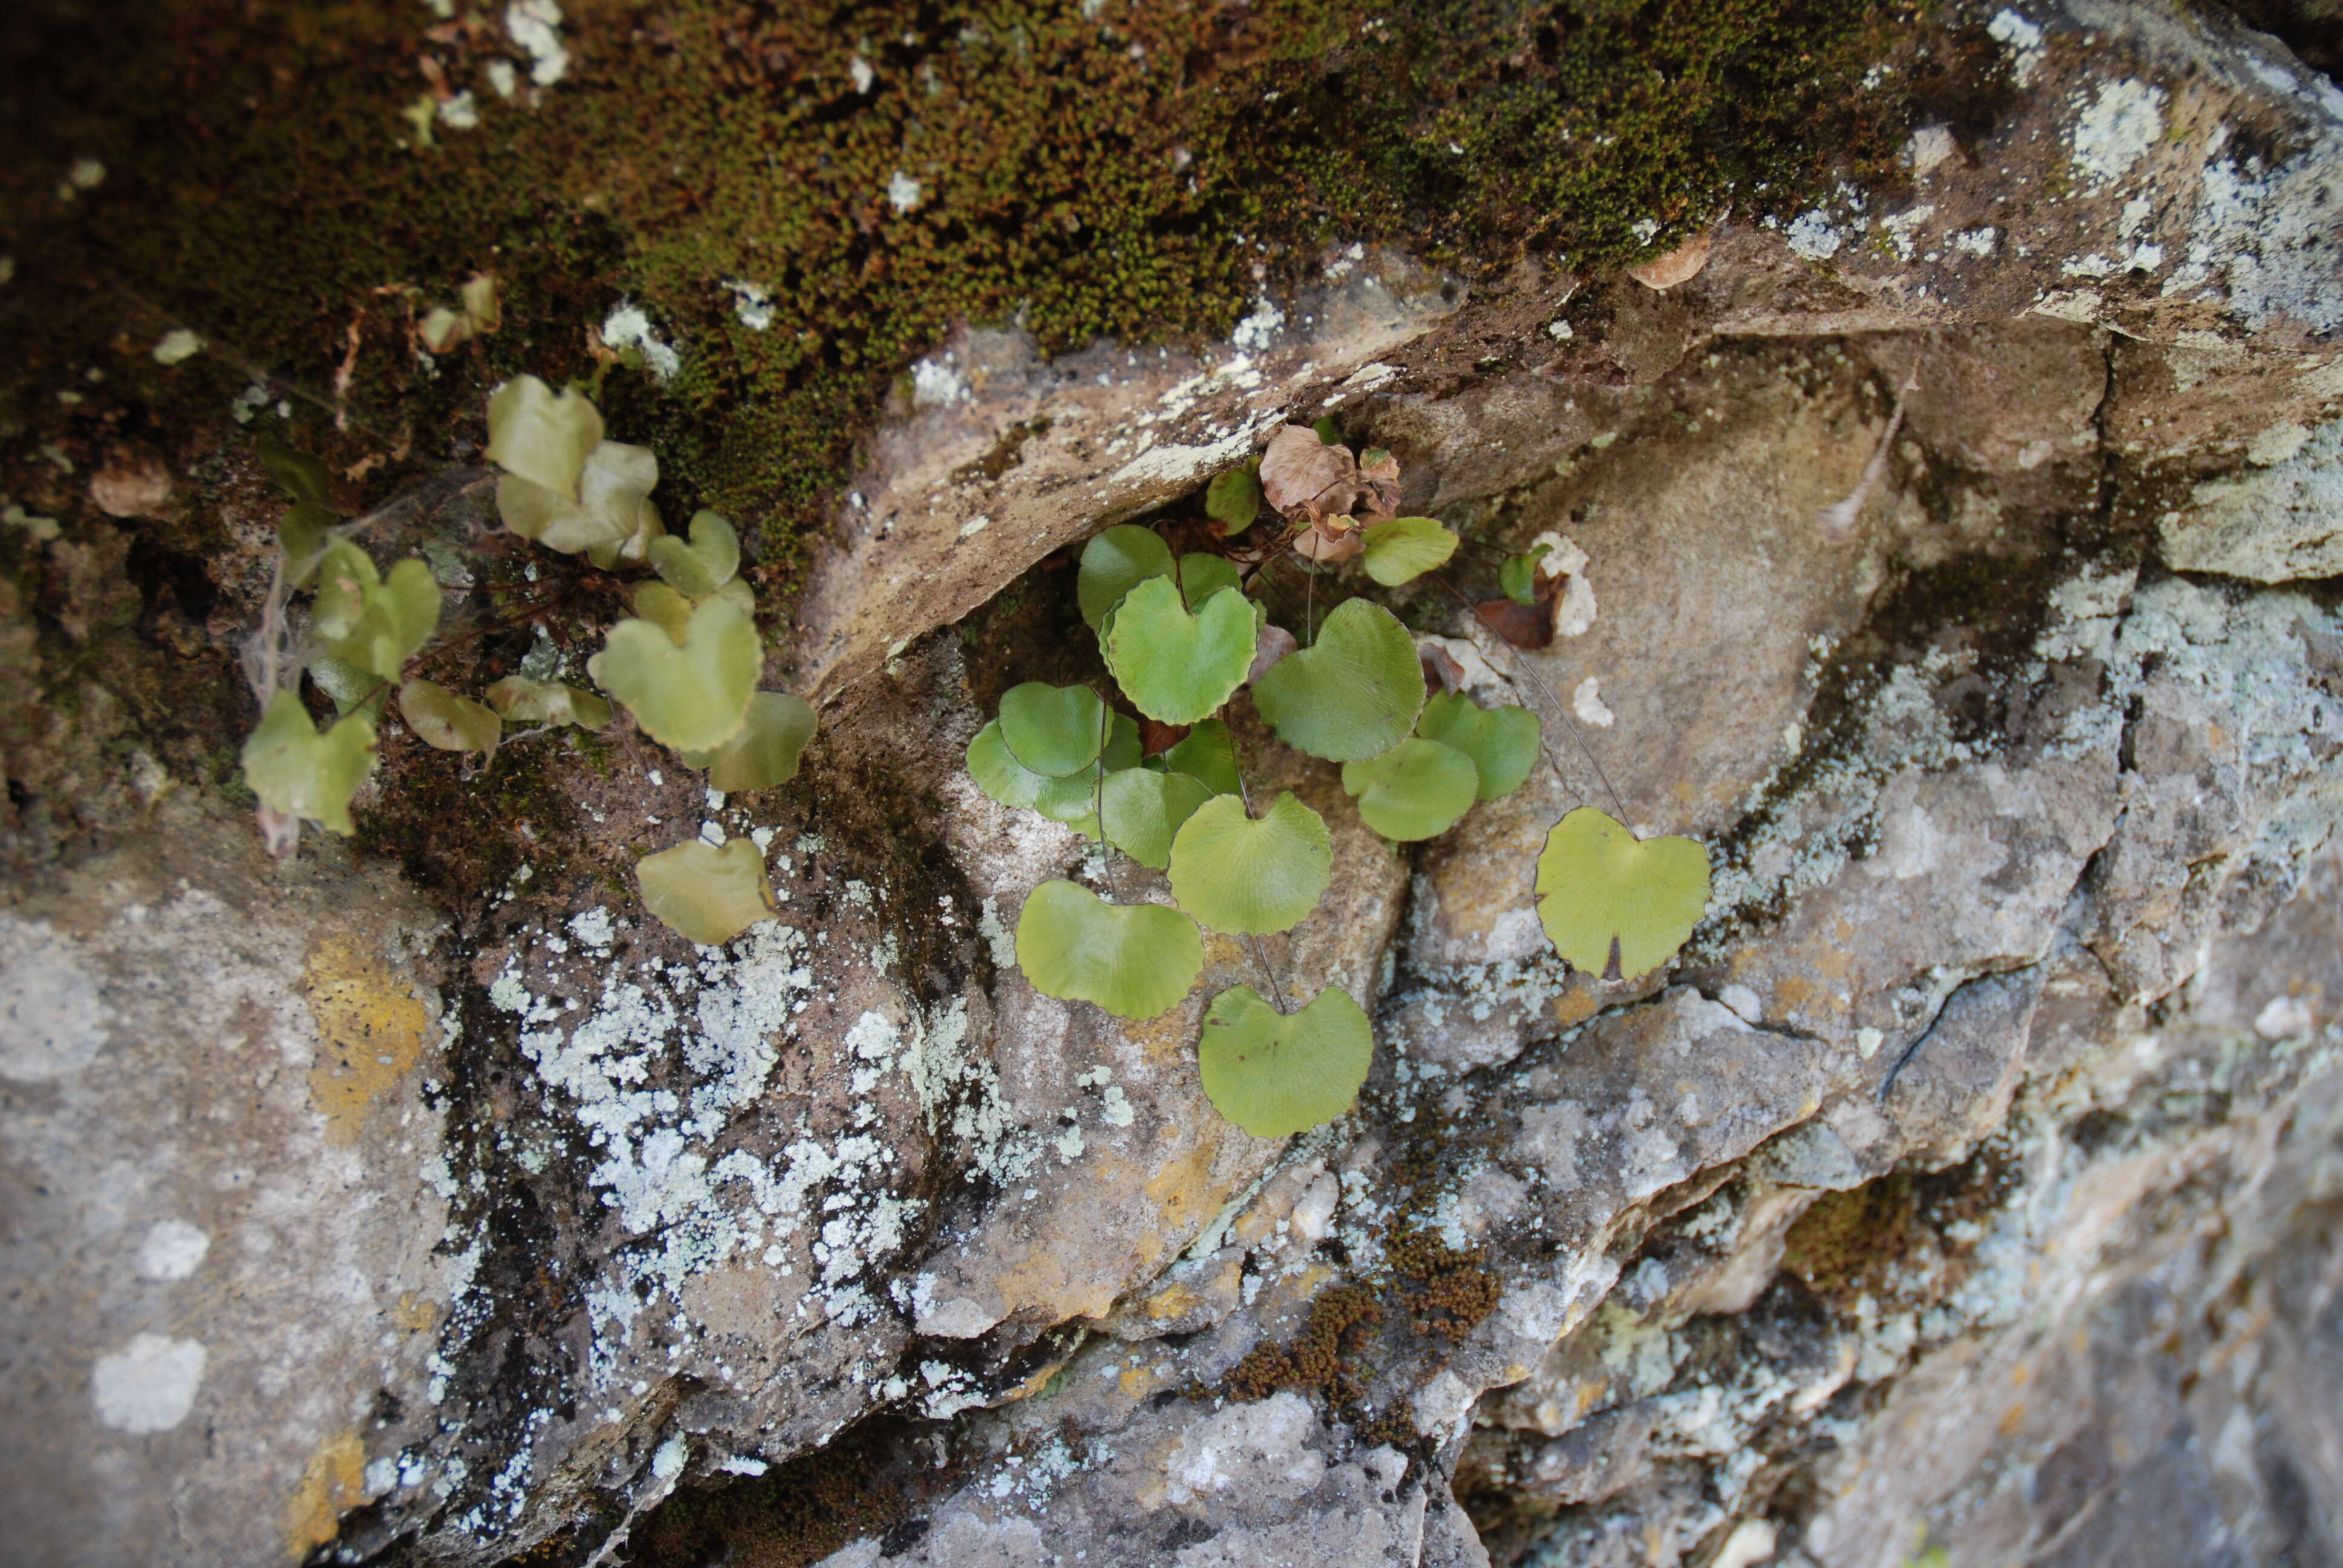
710,893
1247,876
1405,548
1176,667
1135,960
298,772
1350,694
1503,742
541,435
701,566
1601,889
1414,790
440,719
692,695
1275,1074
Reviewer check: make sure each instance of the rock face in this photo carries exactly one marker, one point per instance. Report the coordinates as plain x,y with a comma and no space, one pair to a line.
1965,1191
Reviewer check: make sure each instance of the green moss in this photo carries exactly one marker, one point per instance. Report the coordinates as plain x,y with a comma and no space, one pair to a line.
1117,176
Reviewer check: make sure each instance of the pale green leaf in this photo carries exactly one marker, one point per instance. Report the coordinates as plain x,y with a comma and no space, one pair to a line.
1353,694
635,549
1275,1075
1247,876
1414,790
540,434
692,696
766,751
440,719
662,607
1233,498
1053,729
707,893
612,486
1503,742
698,568
1114,563
376,624
1071,799
1175,667
1597,884
298,772
1405,548
525,702
344,682
1207,752
1135,960
1143,809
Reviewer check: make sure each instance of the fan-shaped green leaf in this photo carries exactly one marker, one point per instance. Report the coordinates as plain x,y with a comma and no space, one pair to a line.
1242,876
1143,809
692,696
440,719
1114,563
1275,1075
1053,729
301,773
1405,548
1202,575
613,485
346,684
636,546
766,751
703,565
541,435
662,607
1597,884
1175,667
1353,694
709,893
1135,960
1072,799
1503,742
525,702
374,623
1207,752
1233,498
1414,790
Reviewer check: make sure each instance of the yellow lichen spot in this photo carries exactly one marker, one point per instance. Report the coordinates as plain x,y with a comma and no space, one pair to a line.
334,1480
1574,1006
413,1314
370,1029
1039,1381
1174,1300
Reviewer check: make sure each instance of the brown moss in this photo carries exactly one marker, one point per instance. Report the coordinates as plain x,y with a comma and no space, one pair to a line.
1452,1290
1325,1358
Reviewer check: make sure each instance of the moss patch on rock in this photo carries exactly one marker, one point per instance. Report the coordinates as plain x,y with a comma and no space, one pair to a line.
801,198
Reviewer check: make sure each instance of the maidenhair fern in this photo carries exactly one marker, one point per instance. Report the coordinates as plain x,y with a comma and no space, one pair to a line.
685,665
1179,635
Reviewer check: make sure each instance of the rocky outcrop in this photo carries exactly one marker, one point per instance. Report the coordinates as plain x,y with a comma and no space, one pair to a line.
1969,1181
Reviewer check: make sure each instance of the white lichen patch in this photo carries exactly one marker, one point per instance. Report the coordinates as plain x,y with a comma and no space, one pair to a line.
627,329
2117,129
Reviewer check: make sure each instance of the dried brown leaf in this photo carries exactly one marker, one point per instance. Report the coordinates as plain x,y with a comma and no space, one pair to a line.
1523,625
1304,479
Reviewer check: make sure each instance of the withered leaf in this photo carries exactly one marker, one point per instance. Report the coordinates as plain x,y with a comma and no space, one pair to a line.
1305,480
1523,625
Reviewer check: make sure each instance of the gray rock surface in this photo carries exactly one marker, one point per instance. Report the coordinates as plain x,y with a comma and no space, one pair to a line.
1970,1180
